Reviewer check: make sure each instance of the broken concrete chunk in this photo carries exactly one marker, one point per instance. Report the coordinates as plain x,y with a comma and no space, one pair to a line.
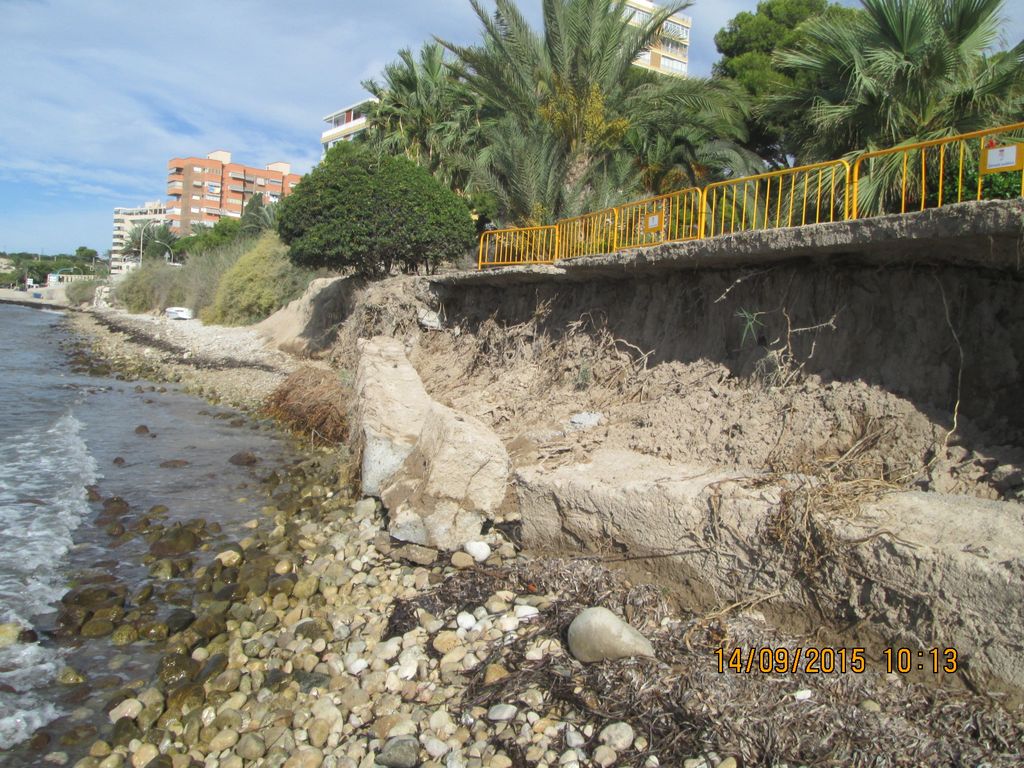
453,479
390,406
597,634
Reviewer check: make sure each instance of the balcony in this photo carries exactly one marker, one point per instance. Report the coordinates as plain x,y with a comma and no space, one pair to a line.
343,131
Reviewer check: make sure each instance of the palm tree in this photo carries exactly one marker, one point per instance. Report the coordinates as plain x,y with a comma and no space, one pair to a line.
258,216
572,95
900,71
155,241
425,112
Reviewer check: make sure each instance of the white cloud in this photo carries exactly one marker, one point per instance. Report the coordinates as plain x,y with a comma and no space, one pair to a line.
99,95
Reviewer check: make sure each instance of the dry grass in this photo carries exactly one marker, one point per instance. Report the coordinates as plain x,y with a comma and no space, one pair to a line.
311,402
684,707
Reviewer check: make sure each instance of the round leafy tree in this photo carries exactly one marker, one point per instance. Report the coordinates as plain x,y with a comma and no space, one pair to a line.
370,214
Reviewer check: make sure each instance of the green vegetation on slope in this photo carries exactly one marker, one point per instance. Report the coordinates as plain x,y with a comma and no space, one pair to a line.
262,281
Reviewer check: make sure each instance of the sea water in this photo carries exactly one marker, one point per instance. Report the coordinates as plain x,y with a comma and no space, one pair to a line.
59,433
44,468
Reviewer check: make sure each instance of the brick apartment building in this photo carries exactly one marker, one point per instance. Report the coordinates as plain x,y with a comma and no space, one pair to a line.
202,189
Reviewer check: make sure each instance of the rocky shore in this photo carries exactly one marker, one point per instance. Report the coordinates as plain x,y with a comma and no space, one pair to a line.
230,365
316,640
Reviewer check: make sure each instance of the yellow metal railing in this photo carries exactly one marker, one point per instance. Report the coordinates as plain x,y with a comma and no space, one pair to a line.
588,235
662,219
971,166
529,245
929,174
792,197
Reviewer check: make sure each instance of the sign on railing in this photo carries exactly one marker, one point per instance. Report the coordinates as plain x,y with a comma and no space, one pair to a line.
982,165
661,219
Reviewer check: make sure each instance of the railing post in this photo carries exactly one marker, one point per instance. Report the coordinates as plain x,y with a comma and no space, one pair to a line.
702,201
480,253
615,229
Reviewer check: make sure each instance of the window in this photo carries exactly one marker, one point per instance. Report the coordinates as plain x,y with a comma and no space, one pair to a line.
195,210
673,65
197,169
261,181
671,46
644,58
678,31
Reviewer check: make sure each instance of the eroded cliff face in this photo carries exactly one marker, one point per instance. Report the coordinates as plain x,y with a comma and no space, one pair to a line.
839,444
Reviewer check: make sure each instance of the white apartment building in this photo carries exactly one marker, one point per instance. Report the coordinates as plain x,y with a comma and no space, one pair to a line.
346,123
669,53
124,220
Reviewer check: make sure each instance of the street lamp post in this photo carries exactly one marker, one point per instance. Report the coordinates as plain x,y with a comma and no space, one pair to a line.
142,236
168,256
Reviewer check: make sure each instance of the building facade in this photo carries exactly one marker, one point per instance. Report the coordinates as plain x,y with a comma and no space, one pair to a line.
669,52
124,220
203,189
346,123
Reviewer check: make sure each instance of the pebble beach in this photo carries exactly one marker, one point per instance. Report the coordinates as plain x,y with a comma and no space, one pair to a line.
302,635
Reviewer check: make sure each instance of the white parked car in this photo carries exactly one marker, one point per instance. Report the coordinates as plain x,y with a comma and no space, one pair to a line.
179,313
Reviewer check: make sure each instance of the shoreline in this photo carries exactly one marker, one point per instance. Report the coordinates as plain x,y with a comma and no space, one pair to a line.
385,654
228,364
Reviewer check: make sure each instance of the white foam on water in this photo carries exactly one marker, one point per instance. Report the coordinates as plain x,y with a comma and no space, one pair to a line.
42,501
22,716
23,668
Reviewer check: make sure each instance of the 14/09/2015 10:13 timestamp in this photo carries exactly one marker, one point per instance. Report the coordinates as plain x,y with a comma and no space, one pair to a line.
832,660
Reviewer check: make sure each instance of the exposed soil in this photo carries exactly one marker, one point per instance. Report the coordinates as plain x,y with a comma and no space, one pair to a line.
526,362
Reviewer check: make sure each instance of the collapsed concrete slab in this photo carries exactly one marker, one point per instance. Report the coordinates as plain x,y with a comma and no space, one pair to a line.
389,408
914,570
454,478
439,473
943,571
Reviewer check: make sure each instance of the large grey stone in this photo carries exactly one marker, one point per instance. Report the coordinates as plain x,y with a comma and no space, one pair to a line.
597,634
400,752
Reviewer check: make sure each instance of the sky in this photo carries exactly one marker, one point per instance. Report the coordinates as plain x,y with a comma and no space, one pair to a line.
98,95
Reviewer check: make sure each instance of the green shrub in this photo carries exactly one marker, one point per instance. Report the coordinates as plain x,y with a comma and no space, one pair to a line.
156,285
203,272
262,281
153,285
357,211
81,291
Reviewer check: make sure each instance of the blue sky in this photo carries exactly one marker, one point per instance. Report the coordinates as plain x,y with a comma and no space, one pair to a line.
98,95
